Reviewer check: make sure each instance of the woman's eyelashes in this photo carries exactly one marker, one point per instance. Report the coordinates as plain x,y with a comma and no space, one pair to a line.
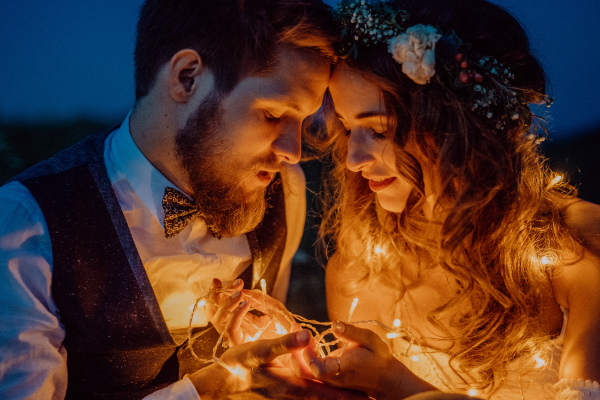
372,132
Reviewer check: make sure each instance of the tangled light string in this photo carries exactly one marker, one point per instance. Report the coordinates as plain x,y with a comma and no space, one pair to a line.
323,346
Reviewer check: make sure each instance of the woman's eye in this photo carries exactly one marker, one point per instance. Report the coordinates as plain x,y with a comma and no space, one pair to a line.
377,135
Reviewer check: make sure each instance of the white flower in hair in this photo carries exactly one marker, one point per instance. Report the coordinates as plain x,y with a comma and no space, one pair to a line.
415,50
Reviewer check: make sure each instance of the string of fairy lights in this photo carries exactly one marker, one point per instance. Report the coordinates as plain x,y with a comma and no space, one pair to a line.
281,322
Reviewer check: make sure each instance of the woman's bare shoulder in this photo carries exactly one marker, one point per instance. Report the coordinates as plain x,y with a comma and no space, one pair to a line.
583,218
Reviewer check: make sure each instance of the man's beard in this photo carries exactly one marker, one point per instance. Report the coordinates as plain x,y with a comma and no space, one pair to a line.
226,207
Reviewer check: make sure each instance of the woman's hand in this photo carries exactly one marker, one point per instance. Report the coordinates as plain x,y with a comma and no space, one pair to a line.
255,368
229,312
365,364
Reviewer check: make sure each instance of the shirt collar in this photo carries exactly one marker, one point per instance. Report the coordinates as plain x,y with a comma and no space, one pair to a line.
147,182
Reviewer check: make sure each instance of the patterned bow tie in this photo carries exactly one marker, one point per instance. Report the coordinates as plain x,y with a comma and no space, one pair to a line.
179,211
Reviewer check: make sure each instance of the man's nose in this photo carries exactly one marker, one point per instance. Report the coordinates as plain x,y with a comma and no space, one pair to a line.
287,146
359,156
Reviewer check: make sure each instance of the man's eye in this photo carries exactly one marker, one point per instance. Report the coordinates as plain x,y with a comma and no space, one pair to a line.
269,116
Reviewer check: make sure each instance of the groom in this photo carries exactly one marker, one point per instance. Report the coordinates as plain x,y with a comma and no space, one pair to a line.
105,248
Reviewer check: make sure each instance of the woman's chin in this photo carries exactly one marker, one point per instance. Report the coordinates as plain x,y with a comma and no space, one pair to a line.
391,204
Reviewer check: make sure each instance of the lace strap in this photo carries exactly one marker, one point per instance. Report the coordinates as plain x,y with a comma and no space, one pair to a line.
577,389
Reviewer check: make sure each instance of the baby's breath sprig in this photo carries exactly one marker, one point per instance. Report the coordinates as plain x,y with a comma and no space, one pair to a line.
369,23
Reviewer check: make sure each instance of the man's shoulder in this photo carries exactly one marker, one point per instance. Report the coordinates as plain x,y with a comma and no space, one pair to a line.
88,150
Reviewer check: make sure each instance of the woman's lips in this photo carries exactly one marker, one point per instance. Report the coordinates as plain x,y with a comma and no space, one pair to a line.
379,185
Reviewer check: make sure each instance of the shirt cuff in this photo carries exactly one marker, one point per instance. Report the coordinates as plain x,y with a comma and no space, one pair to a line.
181,390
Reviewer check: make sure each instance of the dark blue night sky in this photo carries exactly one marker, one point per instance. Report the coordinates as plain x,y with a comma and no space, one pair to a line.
65,58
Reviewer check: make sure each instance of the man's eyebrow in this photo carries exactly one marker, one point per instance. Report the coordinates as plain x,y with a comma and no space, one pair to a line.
286,103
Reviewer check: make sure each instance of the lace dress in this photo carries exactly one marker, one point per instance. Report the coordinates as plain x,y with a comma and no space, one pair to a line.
527,379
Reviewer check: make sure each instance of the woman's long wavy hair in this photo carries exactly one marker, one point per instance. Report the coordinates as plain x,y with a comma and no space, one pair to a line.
500,211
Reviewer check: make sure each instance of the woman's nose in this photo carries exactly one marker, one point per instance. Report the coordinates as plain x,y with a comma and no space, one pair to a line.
359,153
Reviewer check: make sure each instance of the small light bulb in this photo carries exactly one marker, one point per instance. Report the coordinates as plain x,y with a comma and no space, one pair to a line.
545,260
540,362
392,335
280,329
352,307
397,323
263,286
201,303
556,179
378,250
414,358
472,392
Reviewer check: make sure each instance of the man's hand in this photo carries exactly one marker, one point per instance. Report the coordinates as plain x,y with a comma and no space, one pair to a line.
228,311
252,370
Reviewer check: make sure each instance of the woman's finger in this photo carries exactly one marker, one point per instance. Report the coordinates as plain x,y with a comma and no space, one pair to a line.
360,336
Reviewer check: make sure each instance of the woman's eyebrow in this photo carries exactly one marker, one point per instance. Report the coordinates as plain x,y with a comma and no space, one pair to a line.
366,114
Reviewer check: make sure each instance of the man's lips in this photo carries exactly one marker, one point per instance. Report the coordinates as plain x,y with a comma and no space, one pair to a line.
378,185
265,177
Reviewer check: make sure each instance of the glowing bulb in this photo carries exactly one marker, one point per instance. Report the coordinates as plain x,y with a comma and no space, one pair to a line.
472,392
554,181
397,323
253,338
263,286
280,329
379,250
392,335
237,371
201,303
545,260
414,358
352,307
540,362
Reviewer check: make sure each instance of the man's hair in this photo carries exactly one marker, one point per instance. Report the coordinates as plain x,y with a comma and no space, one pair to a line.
234,38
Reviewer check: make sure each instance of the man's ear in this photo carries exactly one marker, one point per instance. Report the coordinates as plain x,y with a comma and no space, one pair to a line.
184,69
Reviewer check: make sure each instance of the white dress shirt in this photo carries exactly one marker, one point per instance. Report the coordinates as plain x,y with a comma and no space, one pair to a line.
180,269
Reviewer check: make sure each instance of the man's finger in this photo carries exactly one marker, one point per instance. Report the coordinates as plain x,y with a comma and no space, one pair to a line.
235,322
215,298
265,351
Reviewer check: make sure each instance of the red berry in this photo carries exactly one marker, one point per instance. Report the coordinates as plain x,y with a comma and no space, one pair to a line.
458,57
478,77
464,64
464,77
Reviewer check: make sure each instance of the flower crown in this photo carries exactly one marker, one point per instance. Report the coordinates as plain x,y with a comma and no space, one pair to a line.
487,81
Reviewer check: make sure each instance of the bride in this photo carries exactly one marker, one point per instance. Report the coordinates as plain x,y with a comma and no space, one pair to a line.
477,267
450,230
